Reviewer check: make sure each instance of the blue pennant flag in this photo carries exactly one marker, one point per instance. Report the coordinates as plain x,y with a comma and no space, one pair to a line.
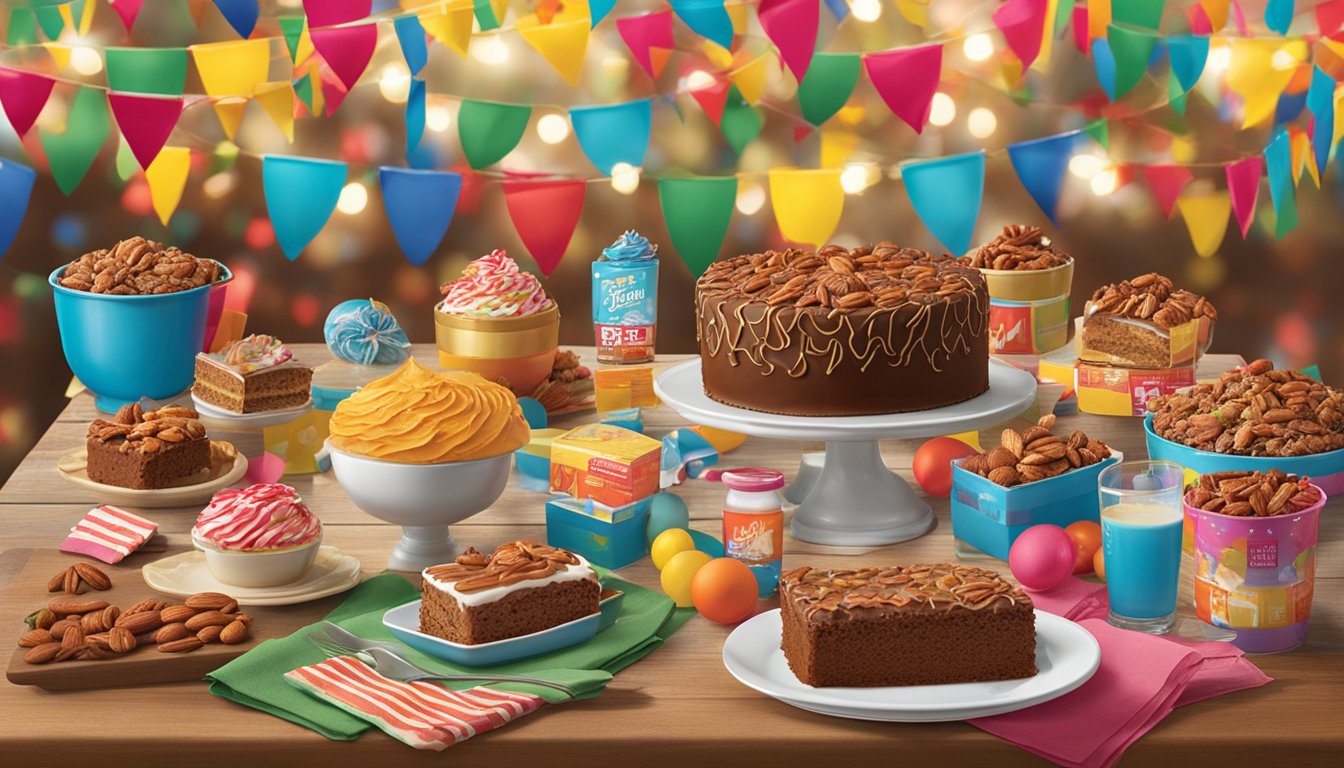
301,193
1040,165
598,10
16,187
411,35
1278,167
1279,15
419,206
616,133
946,195
707,18
1188,54
1289,106
241,15
415,114
1321,102
1104,62
839,9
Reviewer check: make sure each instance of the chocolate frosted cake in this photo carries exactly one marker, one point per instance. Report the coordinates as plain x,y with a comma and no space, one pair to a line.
520,588
876,329
905,625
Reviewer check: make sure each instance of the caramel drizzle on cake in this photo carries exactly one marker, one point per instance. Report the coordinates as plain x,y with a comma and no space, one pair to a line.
843,301
941,586
510,564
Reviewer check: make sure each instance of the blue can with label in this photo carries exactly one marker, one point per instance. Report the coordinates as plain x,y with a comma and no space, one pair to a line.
625,300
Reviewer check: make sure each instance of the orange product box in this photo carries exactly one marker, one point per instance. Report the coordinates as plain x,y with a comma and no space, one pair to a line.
608,464
616,389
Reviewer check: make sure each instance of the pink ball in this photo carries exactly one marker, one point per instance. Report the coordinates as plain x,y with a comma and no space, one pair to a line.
1042,557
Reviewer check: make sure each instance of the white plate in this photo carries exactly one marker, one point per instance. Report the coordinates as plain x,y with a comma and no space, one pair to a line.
73,466
260,419
186,574
1066,655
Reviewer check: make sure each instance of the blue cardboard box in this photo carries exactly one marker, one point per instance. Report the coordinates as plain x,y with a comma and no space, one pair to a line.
612,537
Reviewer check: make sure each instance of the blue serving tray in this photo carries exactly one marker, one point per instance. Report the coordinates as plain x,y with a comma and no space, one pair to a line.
1325,469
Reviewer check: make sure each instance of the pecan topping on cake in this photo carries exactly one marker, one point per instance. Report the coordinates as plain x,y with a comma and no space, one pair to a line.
1018,247
137,266
1253,494
1150,297
509,564
132,429
940,586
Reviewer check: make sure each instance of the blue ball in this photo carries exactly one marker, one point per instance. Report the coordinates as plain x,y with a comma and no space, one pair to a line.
364,332
669,511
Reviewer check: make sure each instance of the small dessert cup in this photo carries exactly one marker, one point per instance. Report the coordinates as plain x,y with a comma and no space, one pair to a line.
257,567
518,350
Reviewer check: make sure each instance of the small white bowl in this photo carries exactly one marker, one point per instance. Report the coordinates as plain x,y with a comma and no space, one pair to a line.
257,568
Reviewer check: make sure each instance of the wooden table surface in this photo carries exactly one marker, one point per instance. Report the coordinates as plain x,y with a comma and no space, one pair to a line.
677,707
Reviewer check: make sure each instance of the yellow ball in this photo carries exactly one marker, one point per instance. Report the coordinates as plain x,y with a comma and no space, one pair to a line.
678,573
669,543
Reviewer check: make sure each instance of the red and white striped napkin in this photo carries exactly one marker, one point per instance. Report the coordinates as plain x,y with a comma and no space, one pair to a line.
109,534
422,714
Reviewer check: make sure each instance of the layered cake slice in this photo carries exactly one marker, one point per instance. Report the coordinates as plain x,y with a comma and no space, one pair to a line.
145,450
520,588
252,375
905,625
1136,322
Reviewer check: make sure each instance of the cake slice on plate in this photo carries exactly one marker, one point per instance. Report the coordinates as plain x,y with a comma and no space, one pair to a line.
146,450
252,375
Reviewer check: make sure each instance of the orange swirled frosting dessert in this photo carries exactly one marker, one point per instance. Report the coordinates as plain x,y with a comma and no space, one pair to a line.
418,416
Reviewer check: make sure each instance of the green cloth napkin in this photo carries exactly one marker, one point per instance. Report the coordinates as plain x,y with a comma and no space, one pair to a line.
256,679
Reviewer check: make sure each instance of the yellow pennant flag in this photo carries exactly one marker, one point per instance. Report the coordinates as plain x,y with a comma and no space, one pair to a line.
1206,217
167,177
232,68
60,53
1098,18
1259,71
752,78
915,11
230,113
1042,62
737,14
278,101
1301,157
319,97
1216,10
837,144
807,203
1339,118
450,24
562,43
719,57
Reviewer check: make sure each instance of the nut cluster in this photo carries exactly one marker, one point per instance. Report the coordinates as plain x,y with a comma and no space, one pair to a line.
840,279
147,432
1018,247
1254,411
510,563
72,580
1035,454
94,629
1150,297
1253,494
942,585
136,267
553,393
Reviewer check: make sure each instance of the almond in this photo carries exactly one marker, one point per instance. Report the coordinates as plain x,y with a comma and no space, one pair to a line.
243,617
69,653
99,638
208,619
120,640
229,607
71,583
35,638
188,643
176,613
1047,421
57,582
92,623
42,654
93,576
208,601
1033,434
210,634
148,604
1011,440
73,638
110,615
170,632
64,607
1000,457
136,623
91,652
234,633
1005,476
58,629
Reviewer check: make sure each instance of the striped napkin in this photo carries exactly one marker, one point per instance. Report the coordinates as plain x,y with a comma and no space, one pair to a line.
109,534
422,714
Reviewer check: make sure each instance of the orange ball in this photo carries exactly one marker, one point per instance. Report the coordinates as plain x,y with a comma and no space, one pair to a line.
1086,537
933,464
724,590
1099,564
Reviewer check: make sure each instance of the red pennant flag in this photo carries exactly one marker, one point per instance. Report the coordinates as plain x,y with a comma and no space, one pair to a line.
127,10
1200,24
792,26
641,33
1243,182
1239,19
906,79
545,214
347,50
712,99
469,199
1167,181
323,13
801,131
1330,16
1080,36
1022,23
333,93
23,94
145,121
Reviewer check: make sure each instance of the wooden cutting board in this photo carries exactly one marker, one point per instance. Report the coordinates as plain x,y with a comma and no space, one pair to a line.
145,665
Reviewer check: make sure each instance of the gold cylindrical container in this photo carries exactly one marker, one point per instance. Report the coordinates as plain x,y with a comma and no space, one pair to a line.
1029,284
519,350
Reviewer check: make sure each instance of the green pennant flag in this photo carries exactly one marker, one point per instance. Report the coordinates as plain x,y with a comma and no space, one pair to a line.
292,28
697,211
71,154
127,165
1176,96
485,16
147,70
1286,218
489,130
740,121
1063,15
1132,51
22,26
223,158
1100,131
1146,14
49,18
303,88
828,84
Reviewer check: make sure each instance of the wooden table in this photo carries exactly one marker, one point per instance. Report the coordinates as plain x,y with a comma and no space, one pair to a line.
677,707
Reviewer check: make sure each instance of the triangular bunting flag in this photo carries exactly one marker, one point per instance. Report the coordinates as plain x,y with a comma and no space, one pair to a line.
1188,54
419,206
489,13
712,99
1167,182
333,92
415,114
489,130
161,71
1329,16
49,18
1041,165
1132,50
906,79
1022,23
740,123
1279,15
232,68
599,9
127,10
792,26
411,37
1145,14
60,53
1321,102
322,13
752,78
301,193
828,85
278,101
230,113
1278,166
707,18
167,177
70,154
1301,148
16,189
915,11
1206,217
1103,63
615,133
1098,18
241,15
126,164
294,29
22,26
946,195
644,33
1100,131
145,121
1080,38
346,50
1243,186
837,144
450,25
807,203
23,95
545,214
1216,11
1254,77
562,43
697,211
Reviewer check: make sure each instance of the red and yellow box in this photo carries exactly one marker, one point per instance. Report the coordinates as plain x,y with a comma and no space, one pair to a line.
608,464
1106,390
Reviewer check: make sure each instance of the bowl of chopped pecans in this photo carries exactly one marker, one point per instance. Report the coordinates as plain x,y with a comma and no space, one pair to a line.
132,318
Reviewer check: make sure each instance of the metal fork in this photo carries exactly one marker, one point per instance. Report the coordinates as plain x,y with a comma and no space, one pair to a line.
394,667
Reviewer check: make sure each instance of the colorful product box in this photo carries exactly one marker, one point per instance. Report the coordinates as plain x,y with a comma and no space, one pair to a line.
1112,391
1028,327
608,464
617,389
612,537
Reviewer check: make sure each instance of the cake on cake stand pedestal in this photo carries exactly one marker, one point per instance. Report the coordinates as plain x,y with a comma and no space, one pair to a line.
857,500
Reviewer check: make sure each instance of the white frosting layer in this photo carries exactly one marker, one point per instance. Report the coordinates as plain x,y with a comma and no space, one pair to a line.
570,573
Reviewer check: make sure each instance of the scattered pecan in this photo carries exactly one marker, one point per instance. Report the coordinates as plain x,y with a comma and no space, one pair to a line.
1018,247
133,430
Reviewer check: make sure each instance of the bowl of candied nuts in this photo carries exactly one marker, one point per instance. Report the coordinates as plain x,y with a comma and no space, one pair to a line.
133,317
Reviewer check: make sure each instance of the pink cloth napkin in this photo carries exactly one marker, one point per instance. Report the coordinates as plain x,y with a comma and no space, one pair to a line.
1140,680
1075,600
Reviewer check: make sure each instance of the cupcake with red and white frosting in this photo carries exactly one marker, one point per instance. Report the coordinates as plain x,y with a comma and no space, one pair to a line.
259,536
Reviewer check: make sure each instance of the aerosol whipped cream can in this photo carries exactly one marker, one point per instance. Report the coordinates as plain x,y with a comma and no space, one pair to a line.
625,300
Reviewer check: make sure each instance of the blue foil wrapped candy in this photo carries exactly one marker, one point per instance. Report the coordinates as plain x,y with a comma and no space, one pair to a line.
364,332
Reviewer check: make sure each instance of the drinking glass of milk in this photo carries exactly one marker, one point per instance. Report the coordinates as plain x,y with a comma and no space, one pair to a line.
1141,520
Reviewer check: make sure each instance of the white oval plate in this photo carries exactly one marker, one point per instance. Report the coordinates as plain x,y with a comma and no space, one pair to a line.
259,419
1066,655
186,574
73,466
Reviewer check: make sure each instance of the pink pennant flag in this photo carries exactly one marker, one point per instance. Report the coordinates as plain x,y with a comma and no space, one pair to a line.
1330,16
1200,24
712,99
906,79
333,93
23,94
323,13
1243,182
1022,23
1080,35
145,121
127,10
347,50
1167,181
545,214
792,26
640,33
1239,19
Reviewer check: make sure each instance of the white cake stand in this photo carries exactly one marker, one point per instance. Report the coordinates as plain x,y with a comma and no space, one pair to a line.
856,501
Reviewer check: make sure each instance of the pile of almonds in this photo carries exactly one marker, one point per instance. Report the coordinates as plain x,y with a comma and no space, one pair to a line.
1151,297
94,629
1253,494
72,580
137,266
1254,411
1018,247
1035,454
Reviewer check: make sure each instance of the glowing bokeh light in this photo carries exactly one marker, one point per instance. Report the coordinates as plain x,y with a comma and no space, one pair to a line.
750,198
489,49
395,83
699,79
354,197
978,47
438,118
85,60
624,178
943,110
981,123
866,10
305,308
854,178
259,234
1105,181
136,198
1085,166
220,184
553,128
